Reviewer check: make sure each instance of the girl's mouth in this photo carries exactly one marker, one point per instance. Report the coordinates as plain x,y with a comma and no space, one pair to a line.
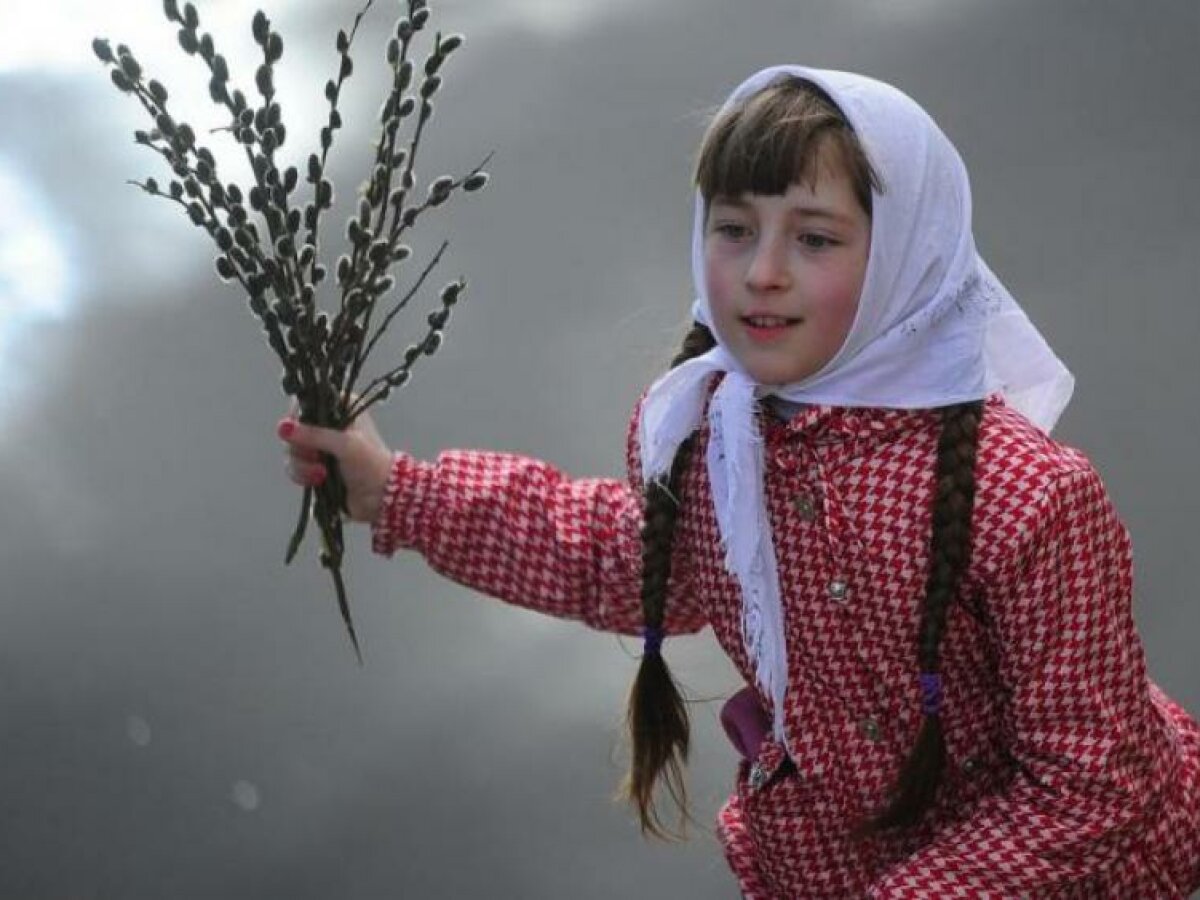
767,327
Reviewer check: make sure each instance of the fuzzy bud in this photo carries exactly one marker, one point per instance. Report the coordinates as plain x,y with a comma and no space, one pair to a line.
290,179
190,19
347,67
196,213
260,27
433,63
207,50
438,318
274,48
343,41
412,354
404,30
307,254
450,43
130,67
475,181
151,185
188,41
103,50
122,83
264,81
284,247
433,343
225,269
319,273
380,253
401,253
430,86
331,91
176,190
399,379
325,193
314,168
404,76
224,239
407,105
420,17
293,220
452,292
343,269
171,10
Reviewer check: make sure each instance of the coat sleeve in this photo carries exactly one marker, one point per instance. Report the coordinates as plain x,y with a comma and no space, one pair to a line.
520,530
1079,724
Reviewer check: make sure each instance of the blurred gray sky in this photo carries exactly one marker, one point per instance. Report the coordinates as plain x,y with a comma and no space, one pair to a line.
183,716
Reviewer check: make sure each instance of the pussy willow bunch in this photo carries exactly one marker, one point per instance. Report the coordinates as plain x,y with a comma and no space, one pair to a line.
269,238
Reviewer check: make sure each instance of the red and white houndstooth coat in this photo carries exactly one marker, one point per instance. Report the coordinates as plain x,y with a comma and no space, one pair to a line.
1070,774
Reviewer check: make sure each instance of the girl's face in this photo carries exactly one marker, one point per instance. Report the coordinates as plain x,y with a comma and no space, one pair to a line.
784,274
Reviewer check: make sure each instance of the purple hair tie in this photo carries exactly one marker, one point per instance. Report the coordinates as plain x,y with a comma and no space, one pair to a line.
653,636
931,693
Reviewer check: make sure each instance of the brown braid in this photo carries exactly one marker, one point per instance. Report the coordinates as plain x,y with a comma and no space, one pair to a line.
657,717
949,556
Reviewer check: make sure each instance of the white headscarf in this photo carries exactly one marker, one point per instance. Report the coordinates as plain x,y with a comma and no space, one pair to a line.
934,327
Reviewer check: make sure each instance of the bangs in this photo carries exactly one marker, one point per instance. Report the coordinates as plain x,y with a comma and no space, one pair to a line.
778,137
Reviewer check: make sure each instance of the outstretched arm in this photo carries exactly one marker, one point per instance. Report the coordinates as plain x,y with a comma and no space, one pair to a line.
521,530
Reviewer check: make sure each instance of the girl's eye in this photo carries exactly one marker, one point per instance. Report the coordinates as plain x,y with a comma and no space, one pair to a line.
816,241
733,230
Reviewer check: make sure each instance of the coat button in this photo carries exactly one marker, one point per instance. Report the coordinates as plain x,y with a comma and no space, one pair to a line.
758,776
870,729
837,589
970,765
805,506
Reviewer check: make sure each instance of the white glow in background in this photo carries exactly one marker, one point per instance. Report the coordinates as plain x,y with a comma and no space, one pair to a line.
35,281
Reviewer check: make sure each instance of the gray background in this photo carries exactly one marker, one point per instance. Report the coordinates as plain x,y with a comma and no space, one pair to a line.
181,715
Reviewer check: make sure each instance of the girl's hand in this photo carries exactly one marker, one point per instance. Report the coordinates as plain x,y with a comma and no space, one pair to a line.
363,458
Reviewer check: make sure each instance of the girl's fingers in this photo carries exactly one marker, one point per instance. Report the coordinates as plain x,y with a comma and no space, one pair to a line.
305,473
310,437
303,454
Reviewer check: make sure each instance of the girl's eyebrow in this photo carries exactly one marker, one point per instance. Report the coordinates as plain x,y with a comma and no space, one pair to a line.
804,211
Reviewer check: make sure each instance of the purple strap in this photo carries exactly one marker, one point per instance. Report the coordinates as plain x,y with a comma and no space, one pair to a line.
931,693
746,722
654,638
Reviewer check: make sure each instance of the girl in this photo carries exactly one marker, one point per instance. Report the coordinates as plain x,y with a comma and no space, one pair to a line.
847,475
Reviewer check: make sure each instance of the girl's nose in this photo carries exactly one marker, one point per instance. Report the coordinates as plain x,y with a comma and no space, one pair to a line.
768,267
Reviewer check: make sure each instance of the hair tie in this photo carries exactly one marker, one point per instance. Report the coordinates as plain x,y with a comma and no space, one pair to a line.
931,693
653,636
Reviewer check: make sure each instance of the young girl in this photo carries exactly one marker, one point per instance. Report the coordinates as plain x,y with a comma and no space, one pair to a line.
846,474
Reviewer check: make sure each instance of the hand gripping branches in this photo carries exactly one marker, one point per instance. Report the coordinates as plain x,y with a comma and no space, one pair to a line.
269,240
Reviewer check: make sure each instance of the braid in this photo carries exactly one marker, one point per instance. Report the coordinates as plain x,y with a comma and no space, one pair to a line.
950,552
657,717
